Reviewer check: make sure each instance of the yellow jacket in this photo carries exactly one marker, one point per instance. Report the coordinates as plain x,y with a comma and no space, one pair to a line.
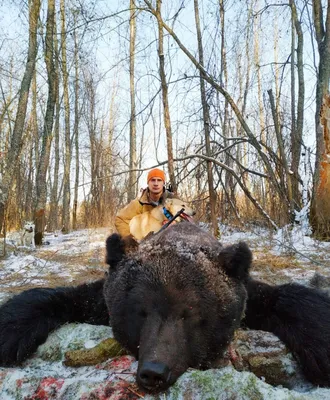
137,206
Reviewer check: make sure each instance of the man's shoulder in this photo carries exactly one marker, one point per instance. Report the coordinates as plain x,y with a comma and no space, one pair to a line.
142,197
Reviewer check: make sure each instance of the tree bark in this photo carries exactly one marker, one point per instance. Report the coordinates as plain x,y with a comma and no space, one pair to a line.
53,223
41,182
297,122
34,135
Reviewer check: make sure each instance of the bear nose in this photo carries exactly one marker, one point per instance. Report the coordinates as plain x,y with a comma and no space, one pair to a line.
153,375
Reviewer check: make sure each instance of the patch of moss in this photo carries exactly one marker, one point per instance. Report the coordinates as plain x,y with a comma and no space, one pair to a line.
108,348
251,389
208,384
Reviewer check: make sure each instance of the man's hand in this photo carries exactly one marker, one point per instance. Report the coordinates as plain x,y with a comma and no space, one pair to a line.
149,235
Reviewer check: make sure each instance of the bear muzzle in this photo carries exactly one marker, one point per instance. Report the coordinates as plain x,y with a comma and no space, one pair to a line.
153,376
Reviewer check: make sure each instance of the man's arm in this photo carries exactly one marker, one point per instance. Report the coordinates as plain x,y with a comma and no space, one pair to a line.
125,215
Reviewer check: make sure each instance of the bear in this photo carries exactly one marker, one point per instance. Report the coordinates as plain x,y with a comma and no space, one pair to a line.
174,303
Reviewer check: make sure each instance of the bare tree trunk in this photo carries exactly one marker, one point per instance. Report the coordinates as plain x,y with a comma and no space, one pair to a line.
76,130
225,120
16,139
292,70
28,206
94,148
264,183
206,120
41,181
109,162
297,122
167,119
285,182
67,153
53,212
242,156
320,207
132,136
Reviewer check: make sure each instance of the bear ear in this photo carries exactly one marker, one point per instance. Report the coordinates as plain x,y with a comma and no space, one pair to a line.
236,260
115,250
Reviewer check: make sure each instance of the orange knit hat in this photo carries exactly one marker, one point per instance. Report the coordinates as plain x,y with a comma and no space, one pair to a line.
156,173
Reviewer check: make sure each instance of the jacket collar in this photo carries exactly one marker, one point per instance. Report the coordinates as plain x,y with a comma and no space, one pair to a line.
145,200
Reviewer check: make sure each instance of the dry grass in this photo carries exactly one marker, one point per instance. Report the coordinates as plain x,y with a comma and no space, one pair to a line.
74,269
263,260
15,284
85,258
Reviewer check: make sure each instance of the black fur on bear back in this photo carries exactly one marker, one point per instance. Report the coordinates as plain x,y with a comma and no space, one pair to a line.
300,317
189,241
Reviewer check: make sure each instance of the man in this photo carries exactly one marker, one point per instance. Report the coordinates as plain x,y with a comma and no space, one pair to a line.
152,196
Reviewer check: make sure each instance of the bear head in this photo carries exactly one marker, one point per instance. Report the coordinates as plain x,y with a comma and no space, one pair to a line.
176,302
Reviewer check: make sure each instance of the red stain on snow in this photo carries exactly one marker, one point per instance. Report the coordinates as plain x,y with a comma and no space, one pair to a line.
19,383
122,363
47,389
115,390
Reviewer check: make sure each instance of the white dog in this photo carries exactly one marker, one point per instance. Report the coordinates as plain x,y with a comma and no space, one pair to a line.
152,221
27,234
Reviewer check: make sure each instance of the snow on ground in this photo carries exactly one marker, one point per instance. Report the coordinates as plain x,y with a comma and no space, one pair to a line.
301,255
79,256
64,259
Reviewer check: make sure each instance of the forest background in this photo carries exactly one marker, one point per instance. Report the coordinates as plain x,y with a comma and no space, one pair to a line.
231,98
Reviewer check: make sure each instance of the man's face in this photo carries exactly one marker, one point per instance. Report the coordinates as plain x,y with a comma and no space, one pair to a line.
156,185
